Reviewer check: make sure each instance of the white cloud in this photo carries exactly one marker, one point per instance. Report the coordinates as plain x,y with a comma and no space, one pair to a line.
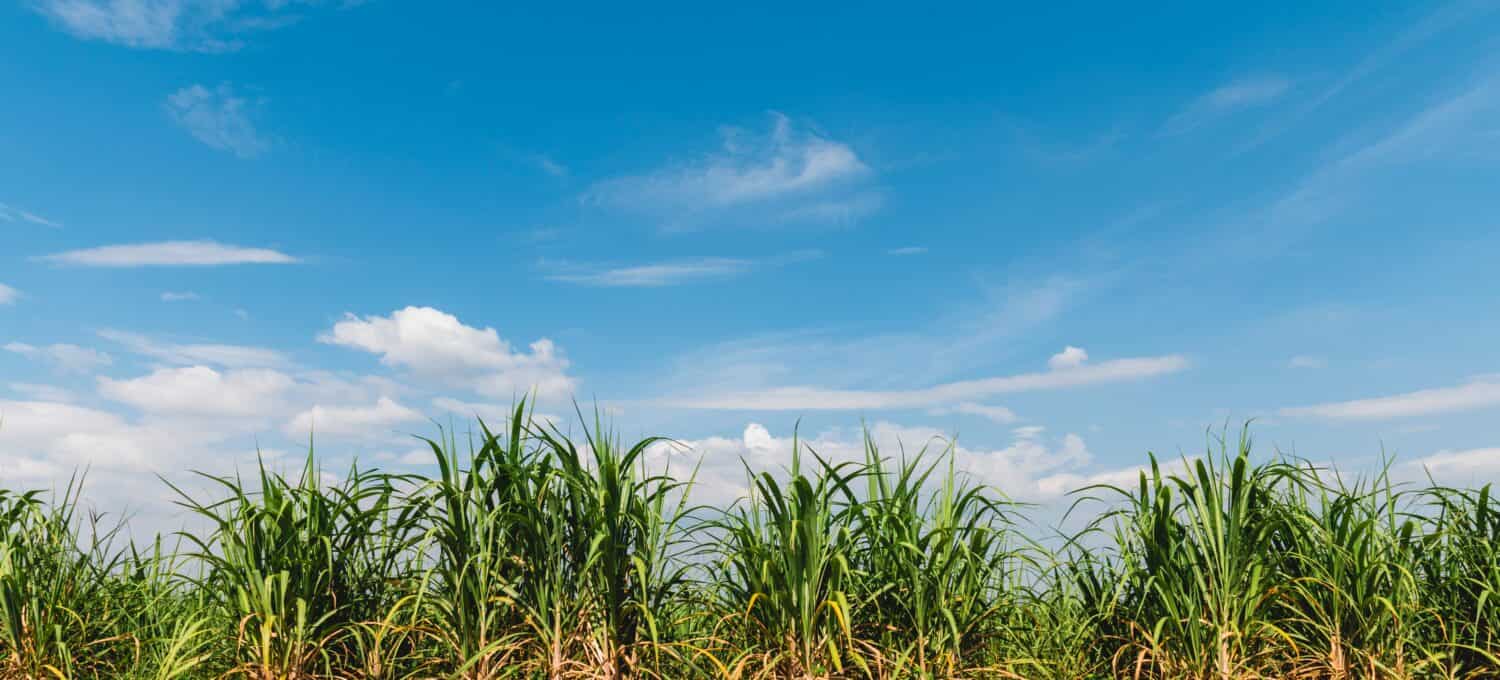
218,118
1455,127
38,433
200,390
435,345
12,214
998,414
817,398
908,250
493,415
173,296
934,350
417,457
1304,361
168,254
670,272
840,210
188,25
656,274
157,24
68,357
1471,467
1479,393
551,167
204,406
8,295
41,392
1070,357
790,174
1230,98
1029,468
375,421
44,442
232,356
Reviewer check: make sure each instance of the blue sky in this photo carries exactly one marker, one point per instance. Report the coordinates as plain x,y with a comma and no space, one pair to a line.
1067,235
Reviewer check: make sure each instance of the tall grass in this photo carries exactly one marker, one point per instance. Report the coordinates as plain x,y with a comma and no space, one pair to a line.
535,554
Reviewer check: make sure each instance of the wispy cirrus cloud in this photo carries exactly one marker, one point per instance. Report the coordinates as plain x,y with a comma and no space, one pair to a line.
1450,131
997,414
1227,99
67,357
168,254
668,272
8,295
1307,361
551,166
219,118
188,354
791,174
655,274
1444,16
13,214
1061,375
182,25
907,250
939,348
1480,392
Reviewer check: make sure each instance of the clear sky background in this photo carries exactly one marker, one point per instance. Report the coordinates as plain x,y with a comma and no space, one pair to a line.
1066,235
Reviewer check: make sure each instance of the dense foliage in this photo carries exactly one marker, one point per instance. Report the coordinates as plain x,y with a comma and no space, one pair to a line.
532,555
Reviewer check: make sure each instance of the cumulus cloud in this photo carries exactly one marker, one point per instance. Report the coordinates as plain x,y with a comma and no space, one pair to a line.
44,443
219,118
434,345
375,421
208,406
168,254
1468,467
494,415
1032,467
67,357
8,295
201,390
41,441
194,417
1070,357
41,391
790,174
1481,392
